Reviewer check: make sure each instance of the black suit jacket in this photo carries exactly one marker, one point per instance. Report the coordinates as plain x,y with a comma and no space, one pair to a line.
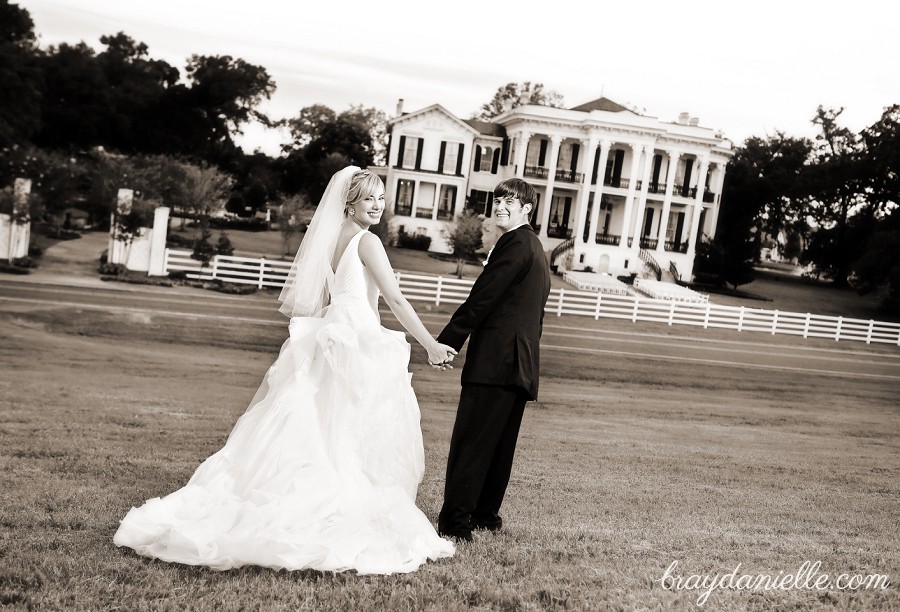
504,315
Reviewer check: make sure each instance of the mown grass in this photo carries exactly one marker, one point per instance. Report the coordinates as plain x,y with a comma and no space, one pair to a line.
619,472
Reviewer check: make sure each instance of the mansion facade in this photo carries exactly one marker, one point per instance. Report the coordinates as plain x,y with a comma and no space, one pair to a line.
616,190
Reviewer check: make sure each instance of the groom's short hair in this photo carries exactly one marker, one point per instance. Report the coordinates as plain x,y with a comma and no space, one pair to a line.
517,188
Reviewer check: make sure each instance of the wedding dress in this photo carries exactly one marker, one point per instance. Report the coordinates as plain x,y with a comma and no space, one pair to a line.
321,471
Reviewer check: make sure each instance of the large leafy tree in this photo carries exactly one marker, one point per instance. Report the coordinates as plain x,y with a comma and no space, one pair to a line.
878,268
20,76
765,192
322,139
513,94
838,190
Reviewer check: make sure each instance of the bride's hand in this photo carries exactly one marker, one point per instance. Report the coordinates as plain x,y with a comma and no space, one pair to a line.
440,356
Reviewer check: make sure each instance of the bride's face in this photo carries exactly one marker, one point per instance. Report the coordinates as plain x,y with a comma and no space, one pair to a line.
369,209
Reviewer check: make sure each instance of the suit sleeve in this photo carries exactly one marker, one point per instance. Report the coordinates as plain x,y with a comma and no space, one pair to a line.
506,263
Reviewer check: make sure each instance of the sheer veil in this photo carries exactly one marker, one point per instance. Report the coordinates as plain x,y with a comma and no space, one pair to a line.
305,292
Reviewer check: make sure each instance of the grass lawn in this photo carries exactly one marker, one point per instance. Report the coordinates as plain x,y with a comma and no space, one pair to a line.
622,468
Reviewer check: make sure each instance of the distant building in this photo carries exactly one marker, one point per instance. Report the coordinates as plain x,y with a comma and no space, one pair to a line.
618,187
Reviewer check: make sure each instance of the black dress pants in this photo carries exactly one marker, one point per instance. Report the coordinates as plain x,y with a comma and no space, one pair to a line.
481,455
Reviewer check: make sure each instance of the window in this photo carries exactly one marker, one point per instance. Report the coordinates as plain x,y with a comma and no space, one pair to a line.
446,202
410,152
451,149
405,190
481,202
487,157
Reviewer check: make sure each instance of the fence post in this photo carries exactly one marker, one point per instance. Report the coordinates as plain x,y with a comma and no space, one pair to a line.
559,304
741,320
635,311
706,317
837,332
869,333
262,270
165,269
806,326
671,313
437,295
215,269
774,321
597,309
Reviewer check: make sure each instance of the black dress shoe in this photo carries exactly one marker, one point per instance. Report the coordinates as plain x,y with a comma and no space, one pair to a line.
457,536
491,525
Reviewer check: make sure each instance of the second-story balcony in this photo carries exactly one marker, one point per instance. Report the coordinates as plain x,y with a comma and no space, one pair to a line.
621,183
609,239
565,176
685,192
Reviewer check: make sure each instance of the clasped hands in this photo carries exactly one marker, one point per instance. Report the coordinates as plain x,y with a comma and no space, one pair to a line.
440,356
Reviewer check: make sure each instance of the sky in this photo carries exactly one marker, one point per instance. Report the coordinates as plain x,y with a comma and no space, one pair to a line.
747,69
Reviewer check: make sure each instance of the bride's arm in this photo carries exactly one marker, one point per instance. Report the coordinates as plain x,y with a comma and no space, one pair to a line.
373,256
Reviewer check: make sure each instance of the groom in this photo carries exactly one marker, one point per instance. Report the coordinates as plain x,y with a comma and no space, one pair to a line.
502,317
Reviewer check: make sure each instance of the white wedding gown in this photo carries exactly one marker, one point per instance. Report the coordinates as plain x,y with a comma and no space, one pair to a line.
321,471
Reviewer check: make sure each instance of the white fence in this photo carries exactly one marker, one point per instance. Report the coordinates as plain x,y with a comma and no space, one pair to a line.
443,290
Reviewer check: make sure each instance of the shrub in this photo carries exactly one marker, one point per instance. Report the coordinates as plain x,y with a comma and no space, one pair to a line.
108,269
224,246
418,242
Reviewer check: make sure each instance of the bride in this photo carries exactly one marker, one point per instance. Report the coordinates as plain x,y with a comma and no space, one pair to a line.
321,471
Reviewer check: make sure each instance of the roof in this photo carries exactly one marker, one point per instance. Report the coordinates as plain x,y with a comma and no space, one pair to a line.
487,128
601,104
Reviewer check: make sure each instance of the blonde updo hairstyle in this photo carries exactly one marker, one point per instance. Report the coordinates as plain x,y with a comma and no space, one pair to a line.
362,184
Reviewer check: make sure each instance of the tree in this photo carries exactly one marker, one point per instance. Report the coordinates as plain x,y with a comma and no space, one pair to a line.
512,95
375,121
307,125
465,238
294,216
838,192
878,268
229,91
77,99
882,144
20,95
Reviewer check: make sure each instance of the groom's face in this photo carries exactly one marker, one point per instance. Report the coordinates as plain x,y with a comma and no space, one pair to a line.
509,212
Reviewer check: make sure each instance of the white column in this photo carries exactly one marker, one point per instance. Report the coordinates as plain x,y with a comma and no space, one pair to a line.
158,242
697,208
718,184
642,199
587,157
551,179
605,146
667,201
636,149
521,152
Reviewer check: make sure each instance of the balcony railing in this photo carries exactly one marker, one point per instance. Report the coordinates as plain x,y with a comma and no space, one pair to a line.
559,232
562,175
405,211
424,213
536,172
444,214
609,239
621,183
568,176
686,192
656,187
676,247
648,243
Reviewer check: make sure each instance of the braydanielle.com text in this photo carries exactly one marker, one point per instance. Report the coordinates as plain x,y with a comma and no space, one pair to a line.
807,577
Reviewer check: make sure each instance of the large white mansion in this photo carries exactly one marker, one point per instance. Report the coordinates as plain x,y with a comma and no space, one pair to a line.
616,189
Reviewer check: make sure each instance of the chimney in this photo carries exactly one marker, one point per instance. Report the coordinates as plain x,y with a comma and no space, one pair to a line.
695,121
683,118
399,107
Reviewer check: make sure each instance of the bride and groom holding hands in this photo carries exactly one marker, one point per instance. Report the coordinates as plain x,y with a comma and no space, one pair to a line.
321,471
